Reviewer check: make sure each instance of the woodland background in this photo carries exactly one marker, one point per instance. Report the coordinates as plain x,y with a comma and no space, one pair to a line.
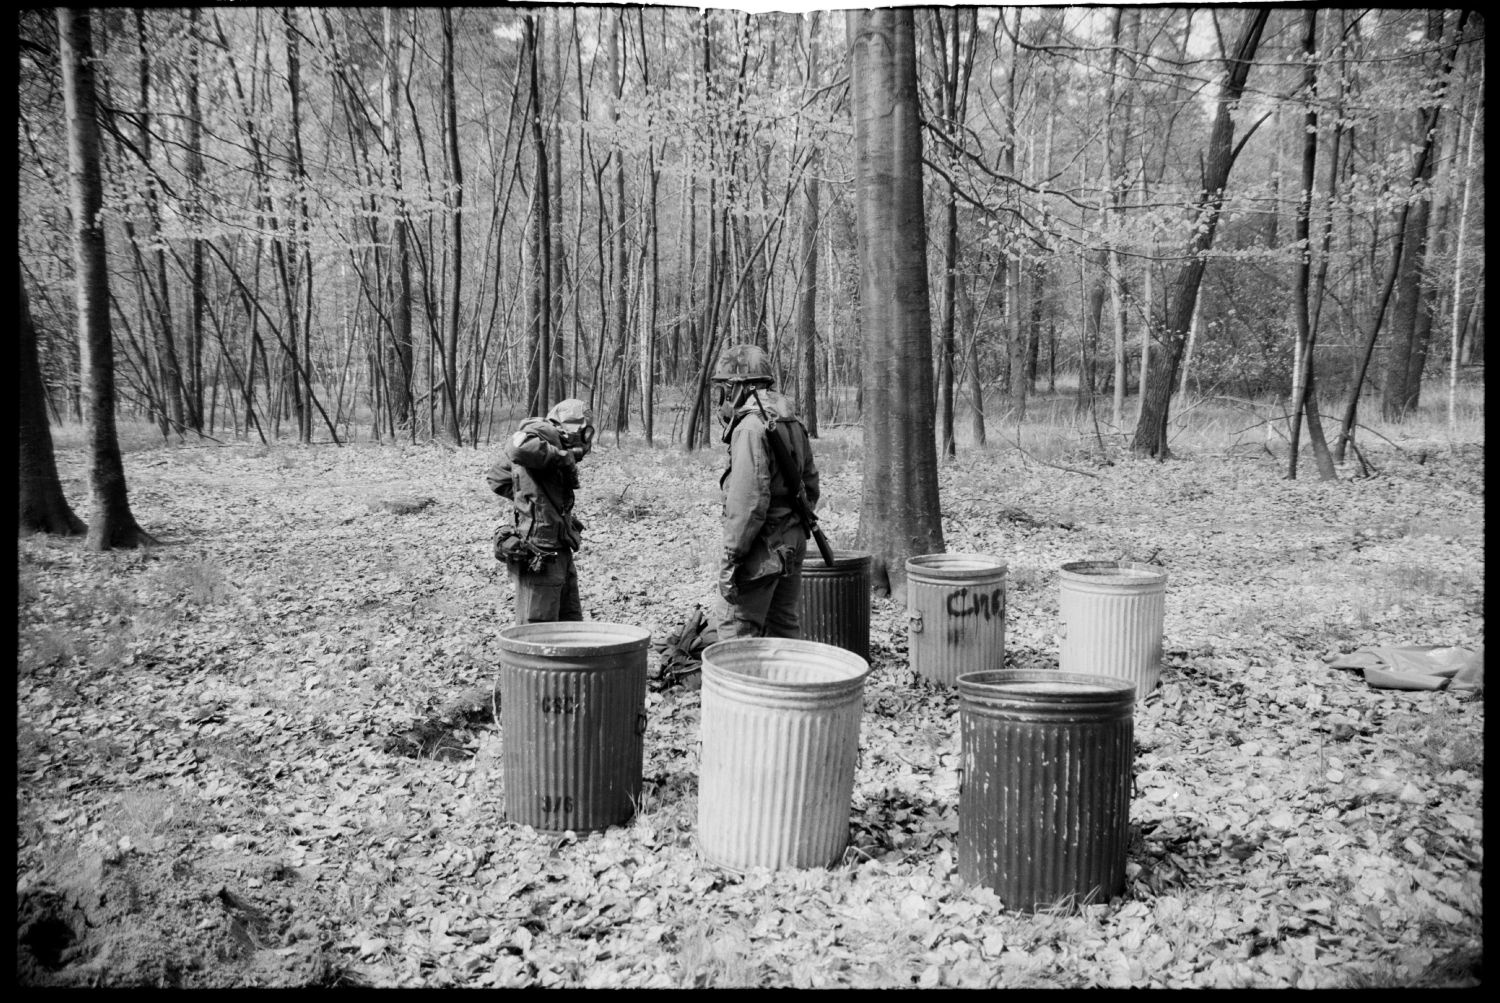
347,249
375,223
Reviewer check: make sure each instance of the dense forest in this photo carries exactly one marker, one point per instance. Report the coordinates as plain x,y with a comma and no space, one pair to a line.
341,223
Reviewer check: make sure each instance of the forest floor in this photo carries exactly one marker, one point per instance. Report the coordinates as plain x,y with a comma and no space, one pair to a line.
264,753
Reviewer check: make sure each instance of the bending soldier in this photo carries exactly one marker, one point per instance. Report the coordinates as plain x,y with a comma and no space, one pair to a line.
538,473
765,542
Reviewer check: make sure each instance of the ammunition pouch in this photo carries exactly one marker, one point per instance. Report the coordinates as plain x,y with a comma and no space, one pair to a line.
524,555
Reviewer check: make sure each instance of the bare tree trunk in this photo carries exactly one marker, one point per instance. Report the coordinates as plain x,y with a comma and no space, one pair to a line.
807,293
1420,169
456,231
43,507
953,57
398,349
620,247
170,379
1458,273
196,273
1302,396
900,512
1151,430
1411,322
540,391
111,523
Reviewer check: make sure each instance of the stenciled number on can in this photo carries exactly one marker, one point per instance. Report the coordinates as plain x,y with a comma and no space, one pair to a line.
986,604
560,704
557,802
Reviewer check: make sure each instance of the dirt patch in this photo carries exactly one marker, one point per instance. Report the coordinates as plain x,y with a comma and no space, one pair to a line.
123,921
451,732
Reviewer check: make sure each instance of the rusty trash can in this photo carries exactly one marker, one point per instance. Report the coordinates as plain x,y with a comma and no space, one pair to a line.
1044,798
572,718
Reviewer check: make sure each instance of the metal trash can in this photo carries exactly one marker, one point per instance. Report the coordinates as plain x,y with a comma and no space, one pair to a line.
572,717
1044,798
780,730
1112,616
955,608
835,601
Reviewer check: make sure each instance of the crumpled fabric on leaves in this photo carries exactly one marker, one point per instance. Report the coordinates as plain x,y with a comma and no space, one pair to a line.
1417,667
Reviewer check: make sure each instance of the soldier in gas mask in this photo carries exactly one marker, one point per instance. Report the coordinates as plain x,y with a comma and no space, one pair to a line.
765,541
537,474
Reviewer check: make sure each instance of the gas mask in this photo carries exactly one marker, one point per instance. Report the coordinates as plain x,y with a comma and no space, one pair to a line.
726,402
582,438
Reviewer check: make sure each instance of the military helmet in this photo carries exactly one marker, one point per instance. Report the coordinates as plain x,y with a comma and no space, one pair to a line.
572,414
744,363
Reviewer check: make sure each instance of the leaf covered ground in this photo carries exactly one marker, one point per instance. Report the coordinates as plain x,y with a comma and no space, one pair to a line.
265,752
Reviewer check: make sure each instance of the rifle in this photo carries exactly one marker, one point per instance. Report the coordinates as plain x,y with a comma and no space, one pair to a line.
799,499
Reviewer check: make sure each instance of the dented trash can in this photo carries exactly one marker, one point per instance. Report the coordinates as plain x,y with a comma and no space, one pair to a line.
780,733
1112,614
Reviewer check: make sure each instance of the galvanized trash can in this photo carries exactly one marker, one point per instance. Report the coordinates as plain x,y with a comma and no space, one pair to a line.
572,717
780,730
1044,798
1112,620
835,601
955,609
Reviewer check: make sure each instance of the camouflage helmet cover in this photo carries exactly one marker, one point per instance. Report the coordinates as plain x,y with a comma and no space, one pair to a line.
571,413
744,363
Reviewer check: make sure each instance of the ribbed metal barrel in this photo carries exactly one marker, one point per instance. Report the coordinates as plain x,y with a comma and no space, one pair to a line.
955,609
1112,620
572,716
1044,803
780,730
835,601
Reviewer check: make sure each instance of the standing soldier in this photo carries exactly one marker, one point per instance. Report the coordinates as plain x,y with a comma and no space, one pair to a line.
538,473
765,541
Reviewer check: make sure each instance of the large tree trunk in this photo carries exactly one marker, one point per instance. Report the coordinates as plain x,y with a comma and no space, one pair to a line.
111,523
900,515
43,506
1182,293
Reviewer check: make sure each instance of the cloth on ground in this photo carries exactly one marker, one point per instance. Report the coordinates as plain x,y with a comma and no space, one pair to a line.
1417,667
680,653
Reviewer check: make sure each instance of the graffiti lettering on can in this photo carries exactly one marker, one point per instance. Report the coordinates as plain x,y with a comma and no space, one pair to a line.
988,605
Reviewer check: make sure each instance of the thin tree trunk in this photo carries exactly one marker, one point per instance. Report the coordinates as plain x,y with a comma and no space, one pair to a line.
398,362
1302,397
456,223
1458,267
